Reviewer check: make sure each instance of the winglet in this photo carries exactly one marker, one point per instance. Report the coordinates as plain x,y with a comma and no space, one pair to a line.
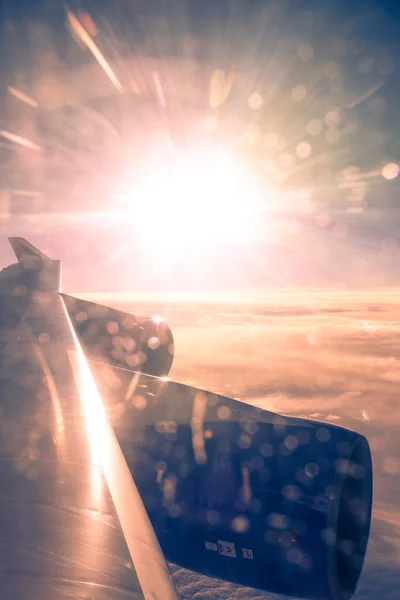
24,250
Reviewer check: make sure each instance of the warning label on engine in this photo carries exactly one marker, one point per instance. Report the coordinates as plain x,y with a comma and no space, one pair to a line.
247,553
211,546
227,549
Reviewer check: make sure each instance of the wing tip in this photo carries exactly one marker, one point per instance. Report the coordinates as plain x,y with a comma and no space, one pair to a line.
24,249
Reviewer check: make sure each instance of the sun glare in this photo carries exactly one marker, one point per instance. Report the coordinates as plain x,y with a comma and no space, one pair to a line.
201,199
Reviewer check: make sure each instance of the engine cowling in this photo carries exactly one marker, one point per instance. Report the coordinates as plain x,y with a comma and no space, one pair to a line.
266,501
118,338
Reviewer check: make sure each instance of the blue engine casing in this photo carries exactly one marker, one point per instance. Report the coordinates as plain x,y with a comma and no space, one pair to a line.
271,502
118,338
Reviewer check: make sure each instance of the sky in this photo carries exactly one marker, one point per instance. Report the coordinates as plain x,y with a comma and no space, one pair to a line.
301,96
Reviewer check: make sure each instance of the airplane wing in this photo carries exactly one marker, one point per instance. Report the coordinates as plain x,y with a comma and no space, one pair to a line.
108,468
72,523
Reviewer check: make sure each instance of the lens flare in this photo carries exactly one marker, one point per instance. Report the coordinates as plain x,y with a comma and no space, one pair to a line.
202,199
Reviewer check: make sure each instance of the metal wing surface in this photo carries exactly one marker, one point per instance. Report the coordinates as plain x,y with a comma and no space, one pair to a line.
72,523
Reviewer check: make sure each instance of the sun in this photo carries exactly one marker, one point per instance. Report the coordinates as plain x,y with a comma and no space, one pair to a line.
199,199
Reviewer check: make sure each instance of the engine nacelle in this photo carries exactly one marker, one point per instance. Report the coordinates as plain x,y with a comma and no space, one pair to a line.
271,502
117,338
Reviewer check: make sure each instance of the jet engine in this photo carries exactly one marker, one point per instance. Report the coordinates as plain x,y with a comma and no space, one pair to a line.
267,501
118,338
